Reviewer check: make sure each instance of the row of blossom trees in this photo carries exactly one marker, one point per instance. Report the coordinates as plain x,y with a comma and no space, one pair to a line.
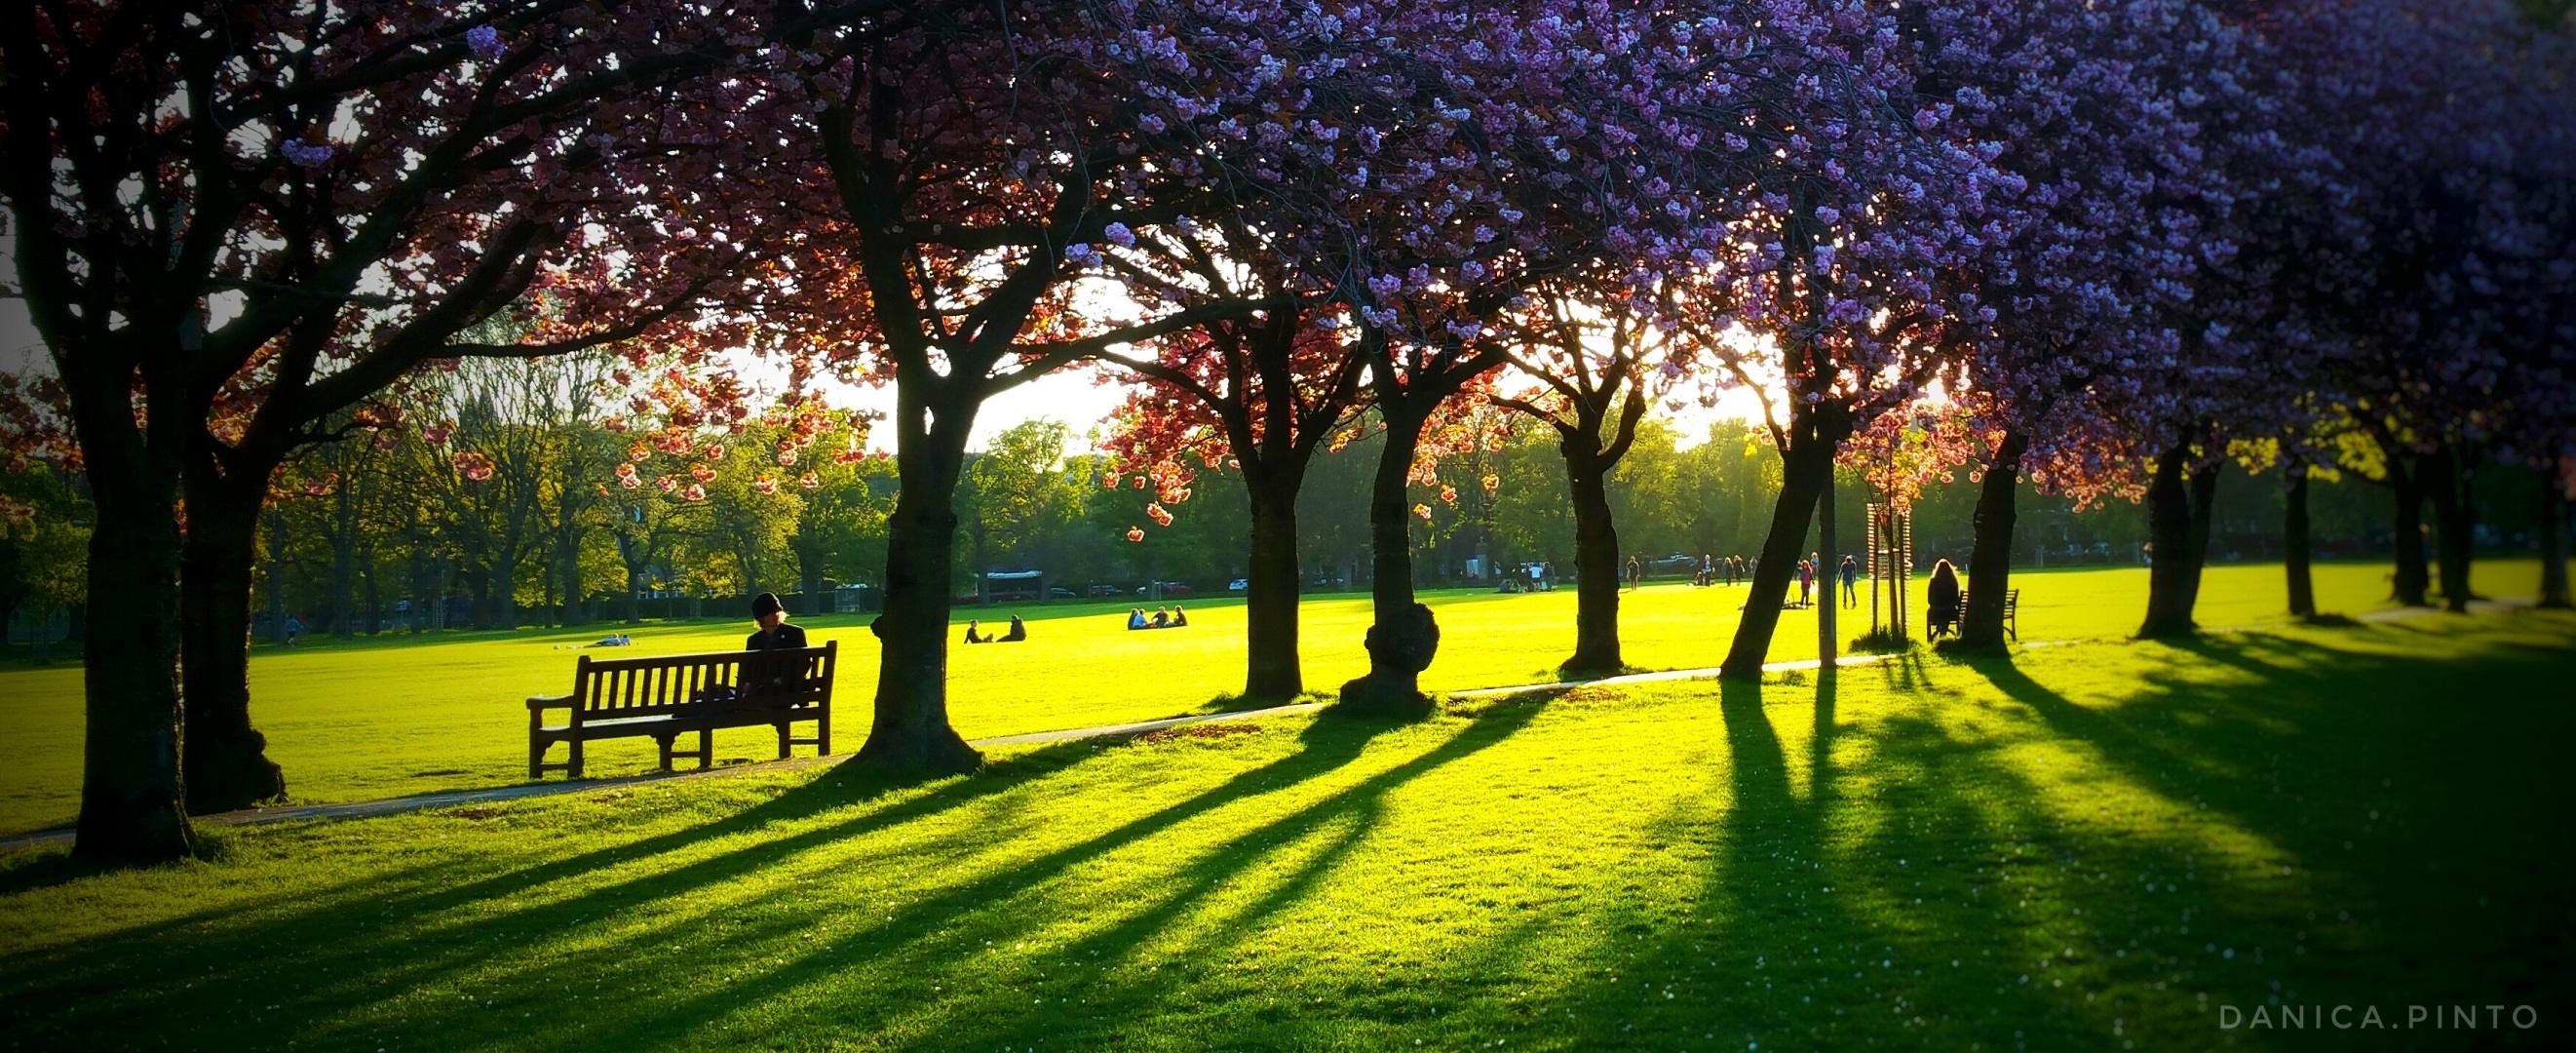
2126,240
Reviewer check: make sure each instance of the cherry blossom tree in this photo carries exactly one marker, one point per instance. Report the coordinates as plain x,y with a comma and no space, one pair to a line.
234,224
1590,369
2123,128
1869,202
1261,394
960,168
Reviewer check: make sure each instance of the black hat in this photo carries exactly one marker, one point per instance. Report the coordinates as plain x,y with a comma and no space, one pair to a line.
766,603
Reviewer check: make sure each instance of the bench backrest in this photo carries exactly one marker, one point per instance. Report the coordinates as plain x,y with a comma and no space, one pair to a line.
618,688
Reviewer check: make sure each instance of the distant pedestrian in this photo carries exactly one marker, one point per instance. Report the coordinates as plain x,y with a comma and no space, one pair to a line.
1806,583
294,628
1636,572
1851,581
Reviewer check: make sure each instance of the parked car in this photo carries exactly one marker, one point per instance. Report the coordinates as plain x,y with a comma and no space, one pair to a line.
1059,592
1170,588
1238,585
1106,590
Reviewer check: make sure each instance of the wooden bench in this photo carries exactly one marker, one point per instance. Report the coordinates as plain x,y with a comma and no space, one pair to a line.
2012,612
665,698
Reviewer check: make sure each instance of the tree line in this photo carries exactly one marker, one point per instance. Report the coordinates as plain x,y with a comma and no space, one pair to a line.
2107,248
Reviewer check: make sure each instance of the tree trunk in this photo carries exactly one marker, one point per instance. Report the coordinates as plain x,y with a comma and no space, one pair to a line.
501,590
344,582
2553,538
2204,491
2411,580
1990,555
226,757
1829,577
131,788
815,601
1596,558
2294,545
1272,668
375,599
1405,636
1807,467
911,729
2451,483
2169,516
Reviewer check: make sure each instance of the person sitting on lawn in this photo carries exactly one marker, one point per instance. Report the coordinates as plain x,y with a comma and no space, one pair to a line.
1179,618
974,636
1162,618
1136,619
774,633
1943,595
614,640
1019,630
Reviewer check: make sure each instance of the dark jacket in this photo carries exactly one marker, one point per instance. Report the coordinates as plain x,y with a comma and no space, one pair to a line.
788,636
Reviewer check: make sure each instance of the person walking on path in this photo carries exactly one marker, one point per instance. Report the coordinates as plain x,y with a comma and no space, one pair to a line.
1806,583
774,633
294,628
1851,580
1636,573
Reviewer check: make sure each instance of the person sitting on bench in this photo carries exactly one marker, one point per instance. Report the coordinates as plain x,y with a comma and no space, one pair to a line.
1136,618
1019,630
774,633
1943,594
1179,619
972,636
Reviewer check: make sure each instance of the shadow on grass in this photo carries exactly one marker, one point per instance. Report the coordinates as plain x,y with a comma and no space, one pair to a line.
419,930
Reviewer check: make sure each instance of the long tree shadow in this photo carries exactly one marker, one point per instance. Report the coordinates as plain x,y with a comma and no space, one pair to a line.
382,916
421,942
2377,780
999,903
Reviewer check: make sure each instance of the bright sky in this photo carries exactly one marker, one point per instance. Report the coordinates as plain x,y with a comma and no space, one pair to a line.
1072,396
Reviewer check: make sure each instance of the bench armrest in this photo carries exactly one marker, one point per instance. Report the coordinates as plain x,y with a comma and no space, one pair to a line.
540,702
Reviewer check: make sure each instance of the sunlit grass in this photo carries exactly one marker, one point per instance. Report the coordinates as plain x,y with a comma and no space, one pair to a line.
2082,847
385,716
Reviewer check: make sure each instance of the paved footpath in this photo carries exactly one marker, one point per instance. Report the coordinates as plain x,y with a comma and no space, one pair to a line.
422,802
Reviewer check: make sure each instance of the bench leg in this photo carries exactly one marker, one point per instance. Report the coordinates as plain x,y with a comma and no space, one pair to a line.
666,750
574,770
782,742
706,748
536,759
823,733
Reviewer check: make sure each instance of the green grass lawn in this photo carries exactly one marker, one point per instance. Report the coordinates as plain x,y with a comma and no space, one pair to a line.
2084,847
387,716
